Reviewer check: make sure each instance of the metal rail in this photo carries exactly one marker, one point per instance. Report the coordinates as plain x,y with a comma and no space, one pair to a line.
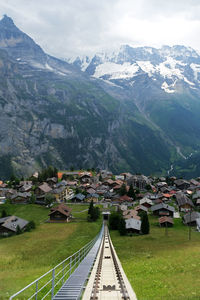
46,285
100,290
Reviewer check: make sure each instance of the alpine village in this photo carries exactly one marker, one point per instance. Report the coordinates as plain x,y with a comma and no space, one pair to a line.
99,187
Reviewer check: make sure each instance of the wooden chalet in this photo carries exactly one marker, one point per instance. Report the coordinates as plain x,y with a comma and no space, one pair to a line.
184,203
22,198
92,197
78,198
182,184
146,202
43,189
166,221
52,181
60,213
8,225
133,225
163,209
190,218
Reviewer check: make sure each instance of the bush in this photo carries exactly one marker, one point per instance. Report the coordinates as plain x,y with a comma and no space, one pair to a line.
32,198
31,225
18,230
49,199
4,213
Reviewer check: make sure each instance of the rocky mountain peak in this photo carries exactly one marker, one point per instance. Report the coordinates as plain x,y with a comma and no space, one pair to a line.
6,22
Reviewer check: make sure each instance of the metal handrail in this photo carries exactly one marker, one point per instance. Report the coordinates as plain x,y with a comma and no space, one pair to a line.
66,270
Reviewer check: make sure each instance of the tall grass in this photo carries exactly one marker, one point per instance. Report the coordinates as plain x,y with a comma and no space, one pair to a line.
25,257
159,266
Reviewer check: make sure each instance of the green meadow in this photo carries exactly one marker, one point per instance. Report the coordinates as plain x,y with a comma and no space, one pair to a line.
25,257
159,266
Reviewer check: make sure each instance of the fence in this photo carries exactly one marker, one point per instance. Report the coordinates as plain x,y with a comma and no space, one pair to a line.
46,286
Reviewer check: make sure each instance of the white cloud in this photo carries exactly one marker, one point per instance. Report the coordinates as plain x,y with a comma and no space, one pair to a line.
68,27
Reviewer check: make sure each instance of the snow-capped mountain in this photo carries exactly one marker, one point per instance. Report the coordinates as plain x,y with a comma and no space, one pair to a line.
163,85
168,65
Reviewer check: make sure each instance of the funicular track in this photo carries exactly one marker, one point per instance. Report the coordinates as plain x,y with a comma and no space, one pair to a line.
108,280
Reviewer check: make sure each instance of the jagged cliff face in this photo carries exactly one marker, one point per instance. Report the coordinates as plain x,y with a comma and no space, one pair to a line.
135,110
53,114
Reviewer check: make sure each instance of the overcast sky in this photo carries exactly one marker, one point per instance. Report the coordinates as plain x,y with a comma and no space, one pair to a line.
72,27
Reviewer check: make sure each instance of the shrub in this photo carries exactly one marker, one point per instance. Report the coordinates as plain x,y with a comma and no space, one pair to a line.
18,230
31,225
4,213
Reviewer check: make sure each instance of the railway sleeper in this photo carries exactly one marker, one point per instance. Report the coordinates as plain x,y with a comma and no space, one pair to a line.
109,287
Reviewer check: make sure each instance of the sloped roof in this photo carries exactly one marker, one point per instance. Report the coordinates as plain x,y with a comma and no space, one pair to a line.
142,207
62,208
146,200
125,198
79,196
45,187
166,219
182,199
131,213
22,195
58,190
161,206
12,222
191,217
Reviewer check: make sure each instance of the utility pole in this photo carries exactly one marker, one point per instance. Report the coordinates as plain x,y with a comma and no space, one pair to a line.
166,229
189,233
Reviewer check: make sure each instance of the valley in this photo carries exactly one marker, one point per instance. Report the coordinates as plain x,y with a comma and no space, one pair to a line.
109,111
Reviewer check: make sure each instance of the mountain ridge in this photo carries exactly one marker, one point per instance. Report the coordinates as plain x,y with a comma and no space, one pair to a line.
59,115
54,113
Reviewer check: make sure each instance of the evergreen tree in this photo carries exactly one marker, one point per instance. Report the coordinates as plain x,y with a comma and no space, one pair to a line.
131,192
91,207
4,213
114,220
100,178
122,226
31,225
122,190
145,223
64,177
93,212
148,187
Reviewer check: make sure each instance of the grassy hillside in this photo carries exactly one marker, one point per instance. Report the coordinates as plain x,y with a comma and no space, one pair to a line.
159,266
25,257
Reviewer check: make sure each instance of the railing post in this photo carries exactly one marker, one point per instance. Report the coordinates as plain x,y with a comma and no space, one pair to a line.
70,266
63,266
79,257
84,252
53,282
36,290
